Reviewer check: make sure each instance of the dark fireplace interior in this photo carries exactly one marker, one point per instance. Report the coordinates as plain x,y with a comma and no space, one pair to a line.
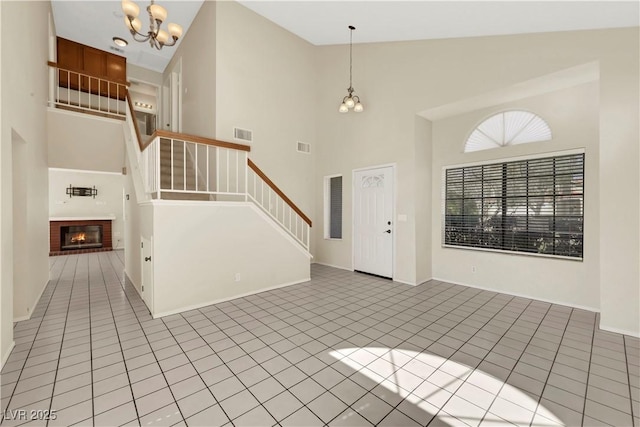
80,237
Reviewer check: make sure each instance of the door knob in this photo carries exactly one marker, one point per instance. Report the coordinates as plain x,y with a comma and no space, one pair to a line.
147,258
388,231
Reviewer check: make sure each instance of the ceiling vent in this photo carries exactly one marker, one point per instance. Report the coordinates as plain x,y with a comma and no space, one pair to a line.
117,49
242,135
304,147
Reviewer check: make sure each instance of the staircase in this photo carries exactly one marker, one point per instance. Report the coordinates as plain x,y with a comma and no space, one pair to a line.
186,167
178,171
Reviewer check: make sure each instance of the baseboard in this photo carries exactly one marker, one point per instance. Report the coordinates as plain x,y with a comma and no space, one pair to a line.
404,282
333,266
5,356
218,301
127,277
28,316
619,331
500,291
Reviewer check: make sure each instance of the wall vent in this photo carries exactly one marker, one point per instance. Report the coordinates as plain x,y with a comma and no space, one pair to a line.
304,147
242,135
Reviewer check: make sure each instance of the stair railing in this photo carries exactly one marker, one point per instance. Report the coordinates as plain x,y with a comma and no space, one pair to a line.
186,164
263,192
76,91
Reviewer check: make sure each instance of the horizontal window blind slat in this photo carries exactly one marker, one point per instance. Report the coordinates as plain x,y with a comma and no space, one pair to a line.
525,206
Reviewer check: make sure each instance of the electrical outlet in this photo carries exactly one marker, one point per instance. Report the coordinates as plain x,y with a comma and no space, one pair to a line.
473,268
236,277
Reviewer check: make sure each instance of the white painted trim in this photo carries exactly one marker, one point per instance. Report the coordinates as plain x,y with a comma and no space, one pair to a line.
515,294
5,356
517,158
326,208
83,218
405,282
35,304
84,171
333,266
218,301
618,331
134,285
423,281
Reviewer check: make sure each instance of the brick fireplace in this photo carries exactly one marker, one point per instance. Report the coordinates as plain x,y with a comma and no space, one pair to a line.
77,236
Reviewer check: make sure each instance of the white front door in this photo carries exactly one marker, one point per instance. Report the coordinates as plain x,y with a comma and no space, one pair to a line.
373,228
146,251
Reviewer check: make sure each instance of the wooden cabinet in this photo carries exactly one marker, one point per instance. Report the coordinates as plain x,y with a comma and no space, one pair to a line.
75,59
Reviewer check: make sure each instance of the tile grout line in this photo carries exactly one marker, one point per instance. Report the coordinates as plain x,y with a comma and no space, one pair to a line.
586,386
53,389
32,343
546,381
115,325
152,352
626,363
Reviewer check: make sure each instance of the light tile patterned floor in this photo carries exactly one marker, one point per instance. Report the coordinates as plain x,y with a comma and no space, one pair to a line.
342,349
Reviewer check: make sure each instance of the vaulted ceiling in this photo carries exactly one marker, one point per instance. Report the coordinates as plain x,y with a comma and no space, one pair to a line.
95,23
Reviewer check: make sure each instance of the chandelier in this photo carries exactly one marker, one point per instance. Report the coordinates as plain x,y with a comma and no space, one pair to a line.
351,101
157,15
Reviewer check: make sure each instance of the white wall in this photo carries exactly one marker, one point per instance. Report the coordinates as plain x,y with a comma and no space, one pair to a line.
573,115
24,93
108,202
198,248
84,142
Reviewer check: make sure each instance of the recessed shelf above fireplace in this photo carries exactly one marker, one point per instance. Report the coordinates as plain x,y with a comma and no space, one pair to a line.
82,191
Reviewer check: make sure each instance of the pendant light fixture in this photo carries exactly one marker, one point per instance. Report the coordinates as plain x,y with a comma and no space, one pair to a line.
351,101
157,15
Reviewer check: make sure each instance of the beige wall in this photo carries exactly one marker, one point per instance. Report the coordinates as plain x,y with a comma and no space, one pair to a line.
398,80
265,82
217,242
197,52
143,75
84,142
573,115
24,93
108,202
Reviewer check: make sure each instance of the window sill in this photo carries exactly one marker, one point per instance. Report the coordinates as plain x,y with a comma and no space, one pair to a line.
503,252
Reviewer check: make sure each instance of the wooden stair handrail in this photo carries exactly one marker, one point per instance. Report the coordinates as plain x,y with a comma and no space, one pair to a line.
84,73
194,138
279,192
135,123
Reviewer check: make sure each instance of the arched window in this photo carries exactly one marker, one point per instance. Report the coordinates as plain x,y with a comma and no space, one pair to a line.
508,128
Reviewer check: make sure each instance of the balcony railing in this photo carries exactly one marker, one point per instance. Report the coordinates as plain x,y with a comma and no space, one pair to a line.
75,91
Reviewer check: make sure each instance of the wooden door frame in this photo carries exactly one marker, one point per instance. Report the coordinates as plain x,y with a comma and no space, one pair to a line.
394,191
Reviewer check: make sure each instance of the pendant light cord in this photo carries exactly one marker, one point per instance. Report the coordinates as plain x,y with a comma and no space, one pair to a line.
351,28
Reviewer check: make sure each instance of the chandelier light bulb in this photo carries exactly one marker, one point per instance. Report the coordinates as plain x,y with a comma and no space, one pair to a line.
134,25
343,108
350,102
358,108
158,12
175,30
130,9
162,37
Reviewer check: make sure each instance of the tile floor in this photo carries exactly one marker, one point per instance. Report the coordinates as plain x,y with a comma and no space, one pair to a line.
342,349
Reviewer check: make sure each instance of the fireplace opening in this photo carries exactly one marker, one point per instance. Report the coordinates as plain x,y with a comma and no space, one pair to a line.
80,237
